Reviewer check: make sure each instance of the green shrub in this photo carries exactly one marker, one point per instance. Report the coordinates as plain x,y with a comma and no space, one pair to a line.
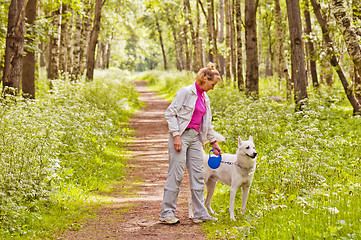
57,149
307,181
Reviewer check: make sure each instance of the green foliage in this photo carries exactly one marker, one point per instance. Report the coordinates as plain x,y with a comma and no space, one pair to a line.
57,149
307,181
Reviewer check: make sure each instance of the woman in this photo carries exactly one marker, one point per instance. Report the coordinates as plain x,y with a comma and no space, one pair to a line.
189,121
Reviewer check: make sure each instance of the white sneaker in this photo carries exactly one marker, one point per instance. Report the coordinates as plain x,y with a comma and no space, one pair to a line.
204,219
169,220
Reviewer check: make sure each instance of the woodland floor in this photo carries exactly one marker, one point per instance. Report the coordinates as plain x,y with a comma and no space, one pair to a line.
135,206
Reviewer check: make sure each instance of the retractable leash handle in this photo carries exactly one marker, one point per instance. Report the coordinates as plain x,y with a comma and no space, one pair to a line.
214,161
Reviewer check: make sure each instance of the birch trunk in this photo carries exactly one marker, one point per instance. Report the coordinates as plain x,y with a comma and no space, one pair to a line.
297,54
310,46
210,24
349,34
252,74
53,65
85,38
64,38
76,49
28,74
334,62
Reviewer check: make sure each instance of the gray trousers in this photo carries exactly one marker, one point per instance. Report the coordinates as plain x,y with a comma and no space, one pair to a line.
191,156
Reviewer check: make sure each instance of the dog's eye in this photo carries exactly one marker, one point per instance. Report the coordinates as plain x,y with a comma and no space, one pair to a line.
247,147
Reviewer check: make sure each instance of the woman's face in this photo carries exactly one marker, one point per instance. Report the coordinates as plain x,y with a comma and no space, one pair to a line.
209,85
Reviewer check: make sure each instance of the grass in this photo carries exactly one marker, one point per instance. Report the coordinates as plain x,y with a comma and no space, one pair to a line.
307,182
60,151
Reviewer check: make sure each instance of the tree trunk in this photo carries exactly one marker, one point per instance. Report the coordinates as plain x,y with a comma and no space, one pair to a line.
297,54
161,42
90,62
311,48
98,59
108,52
227,11
348,32
176,41
222,63
64,38
214,35
334,62
185,43
70,31
233,50
53,65
85,37
76,49
239,45
196,54
210,24
14,47
252,74
28,74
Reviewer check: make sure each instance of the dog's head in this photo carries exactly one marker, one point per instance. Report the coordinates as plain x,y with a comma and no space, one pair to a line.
247,147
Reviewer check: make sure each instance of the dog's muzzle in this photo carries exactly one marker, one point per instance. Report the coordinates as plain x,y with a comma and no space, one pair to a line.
252,156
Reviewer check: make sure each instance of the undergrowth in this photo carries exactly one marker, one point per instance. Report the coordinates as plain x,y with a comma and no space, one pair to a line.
59,150
307,182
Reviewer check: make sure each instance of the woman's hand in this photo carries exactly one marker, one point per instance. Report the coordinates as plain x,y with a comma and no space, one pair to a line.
177,143
217,149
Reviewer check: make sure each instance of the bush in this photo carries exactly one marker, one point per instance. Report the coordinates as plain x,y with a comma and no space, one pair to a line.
58,148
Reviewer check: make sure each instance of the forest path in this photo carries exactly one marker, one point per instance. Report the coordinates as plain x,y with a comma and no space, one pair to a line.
135,207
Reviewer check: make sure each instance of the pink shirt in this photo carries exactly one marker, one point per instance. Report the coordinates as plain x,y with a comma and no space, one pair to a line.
199,110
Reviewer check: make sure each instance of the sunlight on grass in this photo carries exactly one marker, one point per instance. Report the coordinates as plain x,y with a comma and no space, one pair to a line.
307,181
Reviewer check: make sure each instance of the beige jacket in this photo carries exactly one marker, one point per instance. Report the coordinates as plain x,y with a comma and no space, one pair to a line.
180,112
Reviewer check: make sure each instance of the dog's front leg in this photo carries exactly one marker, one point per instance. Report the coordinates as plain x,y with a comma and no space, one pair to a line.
245,191
231,202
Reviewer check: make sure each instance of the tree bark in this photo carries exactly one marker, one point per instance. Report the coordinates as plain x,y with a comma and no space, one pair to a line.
227,11
252,74
14,47
233,50
297,54
210,20
311,48
348,32
221,37
334,62
196,63
64,38
53,65
28,74
161,42
85,37
187,52
177,43
76,49
240,82
90,63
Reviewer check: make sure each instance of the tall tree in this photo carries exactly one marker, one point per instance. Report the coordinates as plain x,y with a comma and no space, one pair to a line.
227,11
165,63
233,42
90,63
53,60
310,46
28,74
221,37
252,74
297,54
76,70
188,16
333,59
348,32
14,47
240,79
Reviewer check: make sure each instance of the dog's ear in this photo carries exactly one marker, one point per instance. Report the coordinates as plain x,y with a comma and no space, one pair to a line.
250,138
239,141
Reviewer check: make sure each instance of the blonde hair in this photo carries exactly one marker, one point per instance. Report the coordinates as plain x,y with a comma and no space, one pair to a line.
210,72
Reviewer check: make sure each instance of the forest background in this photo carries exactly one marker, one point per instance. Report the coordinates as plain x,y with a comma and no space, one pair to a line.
291,52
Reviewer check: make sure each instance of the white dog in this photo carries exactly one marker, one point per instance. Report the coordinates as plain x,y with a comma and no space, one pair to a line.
236,170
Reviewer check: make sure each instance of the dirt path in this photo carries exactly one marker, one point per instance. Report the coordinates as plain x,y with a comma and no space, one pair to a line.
135,210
